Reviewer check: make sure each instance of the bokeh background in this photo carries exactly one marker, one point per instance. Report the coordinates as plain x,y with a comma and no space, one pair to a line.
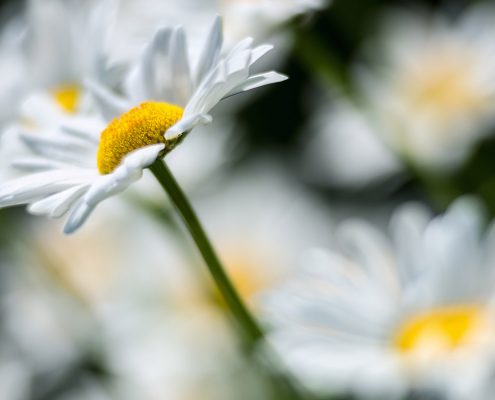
124,309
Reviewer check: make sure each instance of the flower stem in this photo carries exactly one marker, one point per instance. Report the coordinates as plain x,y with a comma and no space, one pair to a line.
242,316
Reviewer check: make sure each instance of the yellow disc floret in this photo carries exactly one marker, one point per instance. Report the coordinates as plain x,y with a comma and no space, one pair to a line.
143,125
67,97
443,330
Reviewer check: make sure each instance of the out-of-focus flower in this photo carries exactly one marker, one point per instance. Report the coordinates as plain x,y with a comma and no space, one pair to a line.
59,44
432,91
66,179
258,18
344,149
65,43
380,319
262,17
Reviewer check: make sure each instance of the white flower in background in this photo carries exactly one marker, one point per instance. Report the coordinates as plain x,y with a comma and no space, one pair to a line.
74,171
59,45
136,21
379,319
65,43
433,86
344,150
263,16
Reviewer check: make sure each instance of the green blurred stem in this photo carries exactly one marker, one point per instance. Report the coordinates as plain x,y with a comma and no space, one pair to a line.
242,316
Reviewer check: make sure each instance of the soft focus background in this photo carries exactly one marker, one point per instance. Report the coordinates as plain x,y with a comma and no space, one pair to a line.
387,102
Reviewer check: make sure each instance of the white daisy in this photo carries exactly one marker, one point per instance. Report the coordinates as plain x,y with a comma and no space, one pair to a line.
74,171
432,90
381,319
65,43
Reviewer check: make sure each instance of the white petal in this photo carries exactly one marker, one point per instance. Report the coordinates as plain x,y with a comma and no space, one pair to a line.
255,81
259,52
152,76
58,204
129,171
36,186
211,51
78,216
111,105
37,164
181,85
186,124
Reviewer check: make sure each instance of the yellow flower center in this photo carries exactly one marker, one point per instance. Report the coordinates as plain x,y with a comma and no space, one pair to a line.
443,84
443,330
67,97
141,126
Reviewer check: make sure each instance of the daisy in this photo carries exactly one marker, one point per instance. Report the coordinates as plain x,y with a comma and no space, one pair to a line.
75,170
382,318
432,88
65,42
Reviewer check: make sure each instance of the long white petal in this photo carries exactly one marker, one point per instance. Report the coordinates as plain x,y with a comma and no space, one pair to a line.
255,81
211,51
58,204
181,85
36,186
129,171
111,105
37,164
186,124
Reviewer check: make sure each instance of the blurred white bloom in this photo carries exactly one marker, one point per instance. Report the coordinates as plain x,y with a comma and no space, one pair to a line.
344,150
59,45
75,170
254,18
433,88
65,43
261,17
378,319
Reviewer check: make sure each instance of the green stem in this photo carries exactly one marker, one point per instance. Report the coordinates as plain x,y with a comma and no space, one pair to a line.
242,316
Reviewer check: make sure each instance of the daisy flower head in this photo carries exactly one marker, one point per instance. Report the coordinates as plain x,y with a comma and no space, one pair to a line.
164,100
65,42
382,317
432,88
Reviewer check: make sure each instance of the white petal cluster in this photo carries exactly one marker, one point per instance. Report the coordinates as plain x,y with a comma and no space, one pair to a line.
334,323
430,92
63,177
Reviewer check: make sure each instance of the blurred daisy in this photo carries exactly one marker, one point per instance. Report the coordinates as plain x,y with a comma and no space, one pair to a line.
65,43
242,17
263,16
379,319
433,91
74,171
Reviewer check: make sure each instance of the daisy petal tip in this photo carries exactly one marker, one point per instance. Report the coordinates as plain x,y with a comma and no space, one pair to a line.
77,218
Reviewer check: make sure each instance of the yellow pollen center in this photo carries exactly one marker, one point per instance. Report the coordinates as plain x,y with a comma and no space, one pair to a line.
141,126
444,330
67,97
443,84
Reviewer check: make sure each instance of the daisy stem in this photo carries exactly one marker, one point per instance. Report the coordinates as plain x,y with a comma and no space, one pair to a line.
243,317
